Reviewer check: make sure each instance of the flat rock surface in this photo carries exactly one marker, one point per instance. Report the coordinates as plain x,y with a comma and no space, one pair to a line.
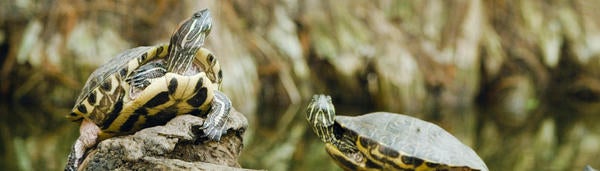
178,145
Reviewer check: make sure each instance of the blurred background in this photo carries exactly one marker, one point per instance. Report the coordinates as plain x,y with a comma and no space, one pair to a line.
518,81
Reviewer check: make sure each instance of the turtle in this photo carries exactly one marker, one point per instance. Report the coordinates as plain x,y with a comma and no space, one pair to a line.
387,141
149,85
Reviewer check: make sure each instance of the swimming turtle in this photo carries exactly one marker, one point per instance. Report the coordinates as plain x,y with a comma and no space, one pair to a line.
147,86
387,141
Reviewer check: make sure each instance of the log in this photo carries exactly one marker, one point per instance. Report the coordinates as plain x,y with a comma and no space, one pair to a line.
178,145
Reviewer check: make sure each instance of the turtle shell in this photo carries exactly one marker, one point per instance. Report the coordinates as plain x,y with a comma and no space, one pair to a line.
106,98
406,142
117,68
123,64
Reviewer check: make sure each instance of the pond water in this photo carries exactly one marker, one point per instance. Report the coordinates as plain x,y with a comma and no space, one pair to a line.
39,138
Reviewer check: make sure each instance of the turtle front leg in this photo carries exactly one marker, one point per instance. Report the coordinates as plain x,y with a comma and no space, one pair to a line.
345,143
88,136
214,125
139,78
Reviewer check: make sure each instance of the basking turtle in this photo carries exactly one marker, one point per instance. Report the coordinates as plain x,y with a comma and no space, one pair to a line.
147,86
387,141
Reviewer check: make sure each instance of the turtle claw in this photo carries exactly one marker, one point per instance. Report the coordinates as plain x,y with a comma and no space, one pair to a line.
139,77
212,131
214,125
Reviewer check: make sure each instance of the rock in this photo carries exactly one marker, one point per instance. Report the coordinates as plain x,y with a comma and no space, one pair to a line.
178,145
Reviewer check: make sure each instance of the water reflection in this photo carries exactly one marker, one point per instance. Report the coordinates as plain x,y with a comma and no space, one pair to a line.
34,139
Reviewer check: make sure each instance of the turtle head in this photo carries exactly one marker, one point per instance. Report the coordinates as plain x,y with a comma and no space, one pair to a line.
204,21
186,41
192,32
320,115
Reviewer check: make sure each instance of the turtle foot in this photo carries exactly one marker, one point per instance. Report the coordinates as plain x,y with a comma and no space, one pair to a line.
214,125
76,156
212,131
87,139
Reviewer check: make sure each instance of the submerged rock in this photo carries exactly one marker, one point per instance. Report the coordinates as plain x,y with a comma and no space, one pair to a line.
178,145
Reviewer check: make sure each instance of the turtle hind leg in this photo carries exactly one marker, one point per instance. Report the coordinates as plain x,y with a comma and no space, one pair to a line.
87,139
75,157
214,125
